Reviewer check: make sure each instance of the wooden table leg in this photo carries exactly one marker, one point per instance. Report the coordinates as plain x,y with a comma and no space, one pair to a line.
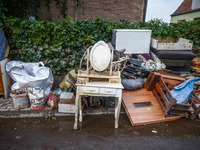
117,111
80,109
76,111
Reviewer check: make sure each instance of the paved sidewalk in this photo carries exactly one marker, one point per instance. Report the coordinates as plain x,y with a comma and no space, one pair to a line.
7,105
7,110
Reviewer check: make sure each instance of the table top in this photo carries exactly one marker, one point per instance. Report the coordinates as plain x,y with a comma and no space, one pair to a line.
103,84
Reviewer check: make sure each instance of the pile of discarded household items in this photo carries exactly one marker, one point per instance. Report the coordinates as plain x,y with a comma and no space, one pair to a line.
154,90
150,76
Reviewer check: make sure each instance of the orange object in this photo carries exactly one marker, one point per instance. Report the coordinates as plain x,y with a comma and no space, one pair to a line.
196,62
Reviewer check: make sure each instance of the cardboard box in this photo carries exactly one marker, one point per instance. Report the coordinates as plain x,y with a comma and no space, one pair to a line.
66,108
67,97
67,103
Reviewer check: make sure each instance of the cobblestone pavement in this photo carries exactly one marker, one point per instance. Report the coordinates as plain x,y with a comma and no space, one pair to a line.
7,110
8,105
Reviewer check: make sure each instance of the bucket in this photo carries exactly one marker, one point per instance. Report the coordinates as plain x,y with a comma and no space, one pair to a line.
37,104
20,98
37,98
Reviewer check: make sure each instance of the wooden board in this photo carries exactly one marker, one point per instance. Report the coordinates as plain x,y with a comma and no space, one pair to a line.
145,114
93,76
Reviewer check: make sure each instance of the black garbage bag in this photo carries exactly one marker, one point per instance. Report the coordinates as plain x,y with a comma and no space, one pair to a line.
132,84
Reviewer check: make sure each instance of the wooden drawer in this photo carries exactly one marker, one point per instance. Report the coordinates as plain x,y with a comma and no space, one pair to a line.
89,89
107,91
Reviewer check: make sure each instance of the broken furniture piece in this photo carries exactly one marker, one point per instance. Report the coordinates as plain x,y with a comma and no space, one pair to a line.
97,81
150,105
142,107
161,84
5,81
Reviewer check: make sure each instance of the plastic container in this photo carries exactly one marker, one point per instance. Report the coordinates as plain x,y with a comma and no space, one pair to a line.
37,98
171,44
20,98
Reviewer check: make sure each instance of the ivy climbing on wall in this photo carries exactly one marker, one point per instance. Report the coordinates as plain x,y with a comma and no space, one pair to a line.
21,8
60,44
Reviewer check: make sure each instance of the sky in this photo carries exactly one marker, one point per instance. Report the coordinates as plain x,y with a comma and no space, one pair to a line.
161,9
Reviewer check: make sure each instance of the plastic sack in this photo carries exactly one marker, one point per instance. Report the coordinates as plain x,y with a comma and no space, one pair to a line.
30,75
151,65
182,92
132,84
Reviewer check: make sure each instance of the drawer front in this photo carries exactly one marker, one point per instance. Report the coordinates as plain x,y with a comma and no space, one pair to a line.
89,89
107,91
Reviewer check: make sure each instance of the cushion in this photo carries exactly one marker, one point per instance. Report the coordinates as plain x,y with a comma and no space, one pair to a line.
173,54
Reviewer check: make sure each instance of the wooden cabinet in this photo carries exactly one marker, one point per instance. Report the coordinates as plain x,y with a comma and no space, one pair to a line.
5,81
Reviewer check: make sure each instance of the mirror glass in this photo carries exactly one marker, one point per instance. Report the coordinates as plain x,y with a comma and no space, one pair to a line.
100,56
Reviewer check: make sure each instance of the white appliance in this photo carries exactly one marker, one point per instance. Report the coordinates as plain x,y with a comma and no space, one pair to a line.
135,41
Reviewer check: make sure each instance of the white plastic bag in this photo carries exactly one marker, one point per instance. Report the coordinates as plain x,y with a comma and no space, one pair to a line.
27,75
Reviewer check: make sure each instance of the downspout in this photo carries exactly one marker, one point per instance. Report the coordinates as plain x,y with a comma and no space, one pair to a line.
76,7
144,10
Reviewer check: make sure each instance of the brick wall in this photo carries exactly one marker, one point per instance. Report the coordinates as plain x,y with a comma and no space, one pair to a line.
112,10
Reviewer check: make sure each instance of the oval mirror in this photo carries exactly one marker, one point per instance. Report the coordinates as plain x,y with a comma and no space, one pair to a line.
100,56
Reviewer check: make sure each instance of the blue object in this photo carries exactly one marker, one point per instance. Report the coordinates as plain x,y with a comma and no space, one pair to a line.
182,92
3,45
58,91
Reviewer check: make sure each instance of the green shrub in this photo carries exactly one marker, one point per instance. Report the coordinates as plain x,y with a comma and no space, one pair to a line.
60,44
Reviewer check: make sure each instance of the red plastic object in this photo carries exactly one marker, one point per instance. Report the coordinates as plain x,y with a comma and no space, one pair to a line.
38,107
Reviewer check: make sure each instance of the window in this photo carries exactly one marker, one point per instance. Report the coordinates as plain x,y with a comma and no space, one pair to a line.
197,18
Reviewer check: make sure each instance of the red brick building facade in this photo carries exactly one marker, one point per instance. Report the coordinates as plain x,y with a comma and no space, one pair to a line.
112,10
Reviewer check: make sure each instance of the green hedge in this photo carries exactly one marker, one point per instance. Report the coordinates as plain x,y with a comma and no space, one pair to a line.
60,44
